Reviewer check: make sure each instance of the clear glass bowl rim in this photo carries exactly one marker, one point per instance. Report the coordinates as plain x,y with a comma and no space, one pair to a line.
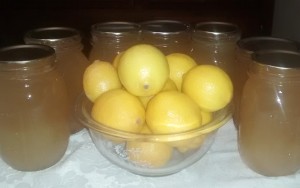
82,113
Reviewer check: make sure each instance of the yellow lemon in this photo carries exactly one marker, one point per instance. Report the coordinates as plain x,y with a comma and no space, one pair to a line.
206,117
120,110
188,144
209,86
169,85
193,143
116,60
179,64
149,154
143,70
172,112
99,77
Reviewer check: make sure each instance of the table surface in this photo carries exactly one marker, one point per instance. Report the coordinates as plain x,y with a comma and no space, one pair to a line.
84,167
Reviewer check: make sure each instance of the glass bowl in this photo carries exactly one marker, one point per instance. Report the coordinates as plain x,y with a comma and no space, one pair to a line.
186,147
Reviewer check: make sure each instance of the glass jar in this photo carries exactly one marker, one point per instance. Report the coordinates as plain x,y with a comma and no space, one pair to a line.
71,62
215,43
34,113
170,36
269,124
245,48
111,38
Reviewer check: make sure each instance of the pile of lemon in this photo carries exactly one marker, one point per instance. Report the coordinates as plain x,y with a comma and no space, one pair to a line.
145,91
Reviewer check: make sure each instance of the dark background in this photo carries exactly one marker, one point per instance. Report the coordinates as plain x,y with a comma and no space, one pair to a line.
254,17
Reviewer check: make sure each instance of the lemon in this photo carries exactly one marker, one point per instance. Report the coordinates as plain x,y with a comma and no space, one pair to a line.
179,64
149,154
99,77
206,117
188,144
209,86
172,112
143,70
120,110
169,85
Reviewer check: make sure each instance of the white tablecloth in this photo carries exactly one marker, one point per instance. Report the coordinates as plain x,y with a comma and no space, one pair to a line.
83,167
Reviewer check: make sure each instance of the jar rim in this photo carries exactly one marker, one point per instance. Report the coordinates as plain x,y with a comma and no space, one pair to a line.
256,43
164,27
25,53
216,30
115,27
53,36
280,59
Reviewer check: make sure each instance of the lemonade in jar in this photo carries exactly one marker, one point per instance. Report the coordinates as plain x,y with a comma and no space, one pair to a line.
269,116
71,62
34,114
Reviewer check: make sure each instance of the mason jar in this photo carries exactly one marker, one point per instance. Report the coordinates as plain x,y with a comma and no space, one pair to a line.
245,48
71,62
34,113
215,43
170,36
269,123
111,38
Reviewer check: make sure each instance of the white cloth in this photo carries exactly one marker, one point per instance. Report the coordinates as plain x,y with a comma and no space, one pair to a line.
84,167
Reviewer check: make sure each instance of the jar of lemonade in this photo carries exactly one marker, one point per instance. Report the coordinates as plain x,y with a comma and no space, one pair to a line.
215,43
245,48
34,113
170,36
71,62
269,124
111,38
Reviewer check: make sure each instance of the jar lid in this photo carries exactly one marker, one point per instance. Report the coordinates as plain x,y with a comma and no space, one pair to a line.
283,59
164,27
53,36
216,31
115,28
252,44
28,53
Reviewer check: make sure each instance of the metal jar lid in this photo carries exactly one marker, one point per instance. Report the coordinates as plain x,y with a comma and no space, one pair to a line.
115,28
164,27
53,36
24,54
277,60
216,31
252,44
